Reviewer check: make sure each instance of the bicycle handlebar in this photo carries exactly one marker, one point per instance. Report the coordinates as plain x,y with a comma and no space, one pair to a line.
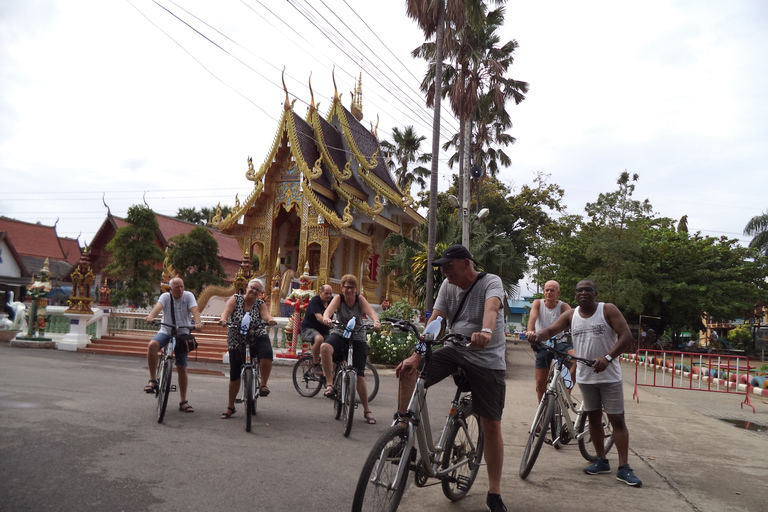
158,323
405,325
565,355
357,328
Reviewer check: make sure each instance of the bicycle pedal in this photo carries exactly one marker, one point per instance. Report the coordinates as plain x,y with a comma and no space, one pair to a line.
238,400
173,387
463,483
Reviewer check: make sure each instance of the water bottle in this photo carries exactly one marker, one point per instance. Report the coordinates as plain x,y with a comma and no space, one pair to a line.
566,377
245,323
348,329
433,329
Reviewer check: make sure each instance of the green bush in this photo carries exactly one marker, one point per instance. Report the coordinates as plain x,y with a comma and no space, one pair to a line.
740,337
402,310
389,348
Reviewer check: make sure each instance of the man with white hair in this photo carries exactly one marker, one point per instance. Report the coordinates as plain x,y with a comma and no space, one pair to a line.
185,310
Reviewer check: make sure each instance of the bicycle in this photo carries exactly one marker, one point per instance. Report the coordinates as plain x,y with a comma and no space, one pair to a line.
250,375
552,414
456,458
308,384
345,379
165,369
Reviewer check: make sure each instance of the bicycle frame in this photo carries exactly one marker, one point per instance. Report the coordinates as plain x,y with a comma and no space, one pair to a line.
557,388
249,365
419,429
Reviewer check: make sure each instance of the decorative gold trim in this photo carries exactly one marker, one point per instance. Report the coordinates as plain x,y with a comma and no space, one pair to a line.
366,165
327,214
255,177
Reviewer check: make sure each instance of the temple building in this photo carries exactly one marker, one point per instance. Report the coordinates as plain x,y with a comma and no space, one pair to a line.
323,196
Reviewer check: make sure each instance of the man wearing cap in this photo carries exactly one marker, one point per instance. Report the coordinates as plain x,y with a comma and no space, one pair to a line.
470,303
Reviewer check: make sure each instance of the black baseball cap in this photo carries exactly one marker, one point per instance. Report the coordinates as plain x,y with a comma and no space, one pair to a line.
454,252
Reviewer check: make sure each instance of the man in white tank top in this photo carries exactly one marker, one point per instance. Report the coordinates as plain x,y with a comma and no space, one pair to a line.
543,313
599,332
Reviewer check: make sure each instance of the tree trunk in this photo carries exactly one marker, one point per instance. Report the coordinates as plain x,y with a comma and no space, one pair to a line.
465,185
432,235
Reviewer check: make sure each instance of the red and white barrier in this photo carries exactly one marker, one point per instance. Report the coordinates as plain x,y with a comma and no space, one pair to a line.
693,371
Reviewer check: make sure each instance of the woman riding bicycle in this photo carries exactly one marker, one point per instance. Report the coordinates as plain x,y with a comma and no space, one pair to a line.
234,311
346,306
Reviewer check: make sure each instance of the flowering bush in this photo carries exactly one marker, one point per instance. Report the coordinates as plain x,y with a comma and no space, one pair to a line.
403,310
386,347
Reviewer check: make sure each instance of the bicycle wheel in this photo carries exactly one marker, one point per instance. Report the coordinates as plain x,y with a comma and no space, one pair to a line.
464,445
371,380
348,408
378,488
541,422
248,392
304,379
337,397
586,447
164,388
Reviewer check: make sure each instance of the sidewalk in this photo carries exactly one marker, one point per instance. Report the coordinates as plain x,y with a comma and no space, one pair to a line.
686,457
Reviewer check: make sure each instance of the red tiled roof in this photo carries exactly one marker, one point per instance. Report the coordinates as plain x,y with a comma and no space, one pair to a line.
14,254
33,239
71,249
229,249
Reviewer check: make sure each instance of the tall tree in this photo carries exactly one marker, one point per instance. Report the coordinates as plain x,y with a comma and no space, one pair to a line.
757,227
195,257
136,258
404,150
430,16
646,266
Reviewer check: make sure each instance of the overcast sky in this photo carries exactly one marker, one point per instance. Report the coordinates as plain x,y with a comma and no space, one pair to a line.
122,99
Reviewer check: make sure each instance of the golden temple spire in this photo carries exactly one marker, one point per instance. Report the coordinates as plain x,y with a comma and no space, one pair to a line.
335,89
287,104
357,99
311,93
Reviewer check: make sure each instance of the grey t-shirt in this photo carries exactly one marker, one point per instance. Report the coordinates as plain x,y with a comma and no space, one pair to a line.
470,319
183,308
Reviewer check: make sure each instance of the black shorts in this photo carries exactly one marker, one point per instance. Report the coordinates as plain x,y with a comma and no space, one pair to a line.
261,348
340,348
488,386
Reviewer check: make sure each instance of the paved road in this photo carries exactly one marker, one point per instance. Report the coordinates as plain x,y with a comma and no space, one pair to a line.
76,433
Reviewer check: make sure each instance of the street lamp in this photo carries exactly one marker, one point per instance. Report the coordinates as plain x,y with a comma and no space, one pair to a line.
483,213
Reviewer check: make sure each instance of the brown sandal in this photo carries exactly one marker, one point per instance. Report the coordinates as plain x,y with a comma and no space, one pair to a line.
369,419
185,407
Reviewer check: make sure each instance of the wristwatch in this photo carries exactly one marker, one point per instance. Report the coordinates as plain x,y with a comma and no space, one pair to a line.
485,329
608,357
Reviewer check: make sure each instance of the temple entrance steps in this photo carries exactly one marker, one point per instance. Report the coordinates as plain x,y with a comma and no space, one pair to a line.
212,344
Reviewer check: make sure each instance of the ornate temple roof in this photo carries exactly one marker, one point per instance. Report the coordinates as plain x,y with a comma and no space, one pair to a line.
340,164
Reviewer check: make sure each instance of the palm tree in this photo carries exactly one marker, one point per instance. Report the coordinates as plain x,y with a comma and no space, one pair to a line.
757,227
430,16
404,149
493,252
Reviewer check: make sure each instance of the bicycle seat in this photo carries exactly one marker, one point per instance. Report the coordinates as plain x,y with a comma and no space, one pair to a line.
461,381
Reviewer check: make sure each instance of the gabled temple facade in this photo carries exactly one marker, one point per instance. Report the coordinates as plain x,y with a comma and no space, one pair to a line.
323,196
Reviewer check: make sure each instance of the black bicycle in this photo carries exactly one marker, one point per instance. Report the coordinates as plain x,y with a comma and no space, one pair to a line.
250,376
165,369
309,380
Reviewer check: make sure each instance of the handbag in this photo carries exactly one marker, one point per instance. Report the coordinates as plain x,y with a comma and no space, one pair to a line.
184,342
